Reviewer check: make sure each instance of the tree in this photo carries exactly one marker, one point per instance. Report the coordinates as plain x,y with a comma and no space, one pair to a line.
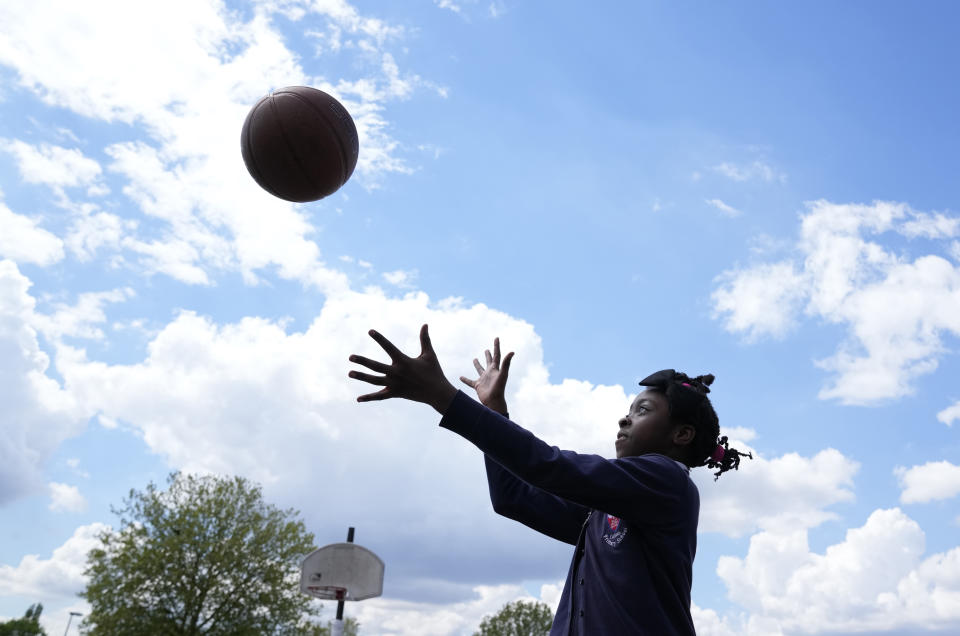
519,618
29,625
206,556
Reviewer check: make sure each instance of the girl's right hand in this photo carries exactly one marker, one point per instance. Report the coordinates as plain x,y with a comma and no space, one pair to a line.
492,383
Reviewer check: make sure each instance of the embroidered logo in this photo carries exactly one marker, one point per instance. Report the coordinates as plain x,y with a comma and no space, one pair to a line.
615,531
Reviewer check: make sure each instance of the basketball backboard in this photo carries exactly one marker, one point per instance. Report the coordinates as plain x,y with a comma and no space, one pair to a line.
342,572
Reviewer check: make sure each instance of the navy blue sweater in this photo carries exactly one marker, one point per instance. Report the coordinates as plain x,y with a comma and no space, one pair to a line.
633,522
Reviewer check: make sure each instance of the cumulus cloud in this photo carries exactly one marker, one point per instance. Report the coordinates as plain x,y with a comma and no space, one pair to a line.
400,278
874,580
66,498
896,310
52,165
38,413
950,414
24,241
709,623
759,301
784,492
82,319
392,617
59,577
928,482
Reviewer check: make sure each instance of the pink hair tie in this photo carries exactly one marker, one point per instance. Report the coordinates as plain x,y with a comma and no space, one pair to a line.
684,384
718,454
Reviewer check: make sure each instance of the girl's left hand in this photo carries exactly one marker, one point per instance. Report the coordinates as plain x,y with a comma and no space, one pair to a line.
491,383
418,379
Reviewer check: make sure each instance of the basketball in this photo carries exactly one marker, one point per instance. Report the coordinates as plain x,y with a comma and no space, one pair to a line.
299,144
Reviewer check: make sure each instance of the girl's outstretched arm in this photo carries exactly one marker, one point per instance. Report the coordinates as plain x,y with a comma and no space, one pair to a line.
512,497
619,487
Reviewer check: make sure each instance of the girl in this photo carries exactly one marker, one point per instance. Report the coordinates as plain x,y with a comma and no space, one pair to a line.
633,519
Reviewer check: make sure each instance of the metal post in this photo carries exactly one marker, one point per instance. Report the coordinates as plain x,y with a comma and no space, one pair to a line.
338,624
69,620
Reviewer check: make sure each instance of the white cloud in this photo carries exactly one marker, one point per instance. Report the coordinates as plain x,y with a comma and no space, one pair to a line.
928,482
761,300
950,414
708,623
37,413
785,492
66,498
52,165
497,8
391,617
74,464
954,250
874,580
448,4
896,310
747,172
80,320
931,226
723,207
400,278
23,241
92,231
59,577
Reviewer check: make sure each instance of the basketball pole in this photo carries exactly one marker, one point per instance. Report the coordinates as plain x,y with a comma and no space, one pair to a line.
338,623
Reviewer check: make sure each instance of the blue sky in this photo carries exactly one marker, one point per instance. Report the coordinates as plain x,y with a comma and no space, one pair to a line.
762,191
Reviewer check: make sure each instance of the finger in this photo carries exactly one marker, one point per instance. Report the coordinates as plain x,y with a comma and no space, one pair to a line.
486,354
373,365
505,369
478,366
378,380
470,383
382,394
425,345
496,352
388,346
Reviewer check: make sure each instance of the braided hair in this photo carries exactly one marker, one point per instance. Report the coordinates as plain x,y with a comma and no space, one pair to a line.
689,404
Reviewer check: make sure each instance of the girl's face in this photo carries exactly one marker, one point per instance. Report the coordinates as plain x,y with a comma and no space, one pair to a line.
647,427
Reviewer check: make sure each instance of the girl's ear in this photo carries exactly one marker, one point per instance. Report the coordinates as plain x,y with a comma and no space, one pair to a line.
683,434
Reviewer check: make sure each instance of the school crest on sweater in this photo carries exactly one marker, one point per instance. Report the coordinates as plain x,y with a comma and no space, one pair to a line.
614,530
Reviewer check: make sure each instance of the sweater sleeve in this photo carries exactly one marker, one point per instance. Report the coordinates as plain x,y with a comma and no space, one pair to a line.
535,508
646,489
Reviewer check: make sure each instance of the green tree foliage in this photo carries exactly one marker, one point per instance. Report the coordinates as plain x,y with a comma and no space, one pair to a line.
29,625
519,618
205,556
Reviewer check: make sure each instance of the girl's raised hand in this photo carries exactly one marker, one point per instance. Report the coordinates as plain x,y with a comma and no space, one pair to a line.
418,379
492,384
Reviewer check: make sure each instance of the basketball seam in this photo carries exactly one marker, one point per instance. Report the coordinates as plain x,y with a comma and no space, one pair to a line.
286,140
259,178
343,151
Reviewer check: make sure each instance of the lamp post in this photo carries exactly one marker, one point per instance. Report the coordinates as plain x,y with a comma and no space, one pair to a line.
72,614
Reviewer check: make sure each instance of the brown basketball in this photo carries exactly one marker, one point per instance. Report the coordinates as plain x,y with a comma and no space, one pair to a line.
299,144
